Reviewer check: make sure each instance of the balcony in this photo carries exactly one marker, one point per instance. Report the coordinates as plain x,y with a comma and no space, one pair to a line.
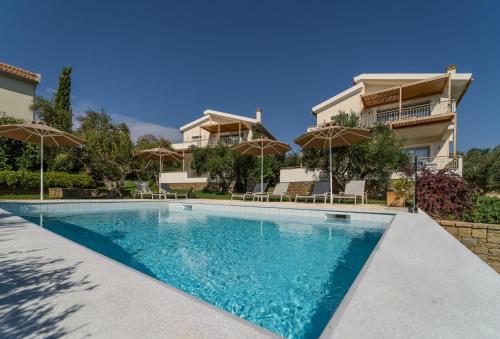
442,162
226,140
411,113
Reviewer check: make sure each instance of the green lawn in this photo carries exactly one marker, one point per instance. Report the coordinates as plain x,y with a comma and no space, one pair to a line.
227,196
213,195
130,186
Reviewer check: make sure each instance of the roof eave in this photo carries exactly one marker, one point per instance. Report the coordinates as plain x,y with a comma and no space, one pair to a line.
193,123
339,97
229,115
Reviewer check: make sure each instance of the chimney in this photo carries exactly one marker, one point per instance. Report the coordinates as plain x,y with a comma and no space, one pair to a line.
451,69
258,115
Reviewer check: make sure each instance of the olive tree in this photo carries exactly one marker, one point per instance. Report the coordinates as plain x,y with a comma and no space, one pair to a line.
373,160
108,152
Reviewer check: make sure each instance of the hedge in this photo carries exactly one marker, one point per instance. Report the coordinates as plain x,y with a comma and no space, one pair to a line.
25,180
485,210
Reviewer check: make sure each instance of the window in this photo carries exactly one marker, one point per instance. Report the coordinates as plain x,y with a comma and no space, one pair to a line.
195,137
419,152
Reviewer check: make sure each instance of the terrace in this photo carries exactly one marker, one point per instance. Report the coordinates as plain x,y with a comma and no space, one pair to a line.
423,113
208,142
402,290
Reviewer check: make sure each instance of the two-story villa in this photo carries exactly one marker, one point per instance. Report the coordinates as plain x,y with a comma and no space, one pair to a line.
17,91
213,127
420,107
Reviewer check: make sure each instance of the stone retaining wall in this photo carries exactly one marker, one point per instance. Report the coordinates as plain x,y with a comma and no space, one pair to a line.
61,193
198,186
482,239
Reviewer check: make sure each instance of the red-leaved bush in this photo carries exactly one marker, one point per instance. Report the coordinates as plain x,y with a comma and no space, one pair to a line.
443,194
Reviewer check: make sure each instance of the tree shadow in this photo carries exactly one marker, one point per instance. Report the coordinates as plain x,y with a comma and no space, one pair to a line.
29,286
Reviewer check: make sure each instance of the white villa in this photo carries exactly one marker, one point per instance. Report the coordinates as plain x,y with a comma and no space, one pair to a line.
420,107
213,127
17,91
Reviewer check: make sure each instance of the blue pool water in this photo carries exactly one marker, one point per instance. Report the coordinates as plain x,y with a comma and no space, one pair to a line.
287,275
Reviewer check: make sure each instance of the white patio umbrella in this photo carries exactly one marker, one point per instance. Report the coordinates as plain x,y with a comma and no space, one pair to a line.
42,134
331,135
160,154
261,147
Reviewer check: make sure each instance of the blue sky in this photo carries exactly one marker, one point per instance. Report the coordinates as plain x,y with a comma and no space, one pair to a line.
157,65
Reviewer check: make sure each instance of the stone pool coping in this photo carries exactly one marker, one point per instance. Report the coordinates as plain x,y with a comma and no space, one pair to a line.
418,282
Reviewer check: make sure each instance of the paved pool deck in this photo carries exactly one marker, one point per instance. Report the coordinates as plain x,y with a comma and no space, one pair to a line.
419,282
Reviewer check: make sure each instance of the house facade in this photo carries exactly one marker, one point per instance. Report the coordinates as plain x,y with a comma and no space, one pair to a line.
17,91
211,128
420,107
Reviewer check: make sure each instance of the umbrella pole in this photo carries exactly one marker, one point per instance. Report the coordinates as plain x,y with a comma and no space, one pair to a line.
159,175
41,167
262,170
331,184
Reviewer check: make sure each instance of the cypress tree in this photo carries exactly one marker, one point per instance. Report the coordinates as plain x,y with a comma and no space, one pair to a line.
62,101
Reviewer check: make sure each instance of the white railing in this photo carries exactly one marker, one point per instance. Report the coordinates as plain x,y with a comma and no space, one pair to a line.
406,113
442,162
232,140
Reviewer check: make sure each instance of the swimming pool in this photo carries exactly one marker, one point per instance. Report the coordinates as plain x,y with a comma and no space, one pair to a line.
286,270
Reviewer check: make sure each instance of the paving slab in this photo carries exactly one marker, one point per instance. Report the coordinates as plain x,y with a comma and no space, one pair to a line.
420,283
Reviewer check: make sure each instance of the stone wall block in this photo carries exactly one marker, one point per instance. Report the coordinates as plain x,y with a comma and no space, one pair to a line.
479,225
481,249
479,233
494,237
452,230
495,252
464,232
493,259
469,242
492,245
493,227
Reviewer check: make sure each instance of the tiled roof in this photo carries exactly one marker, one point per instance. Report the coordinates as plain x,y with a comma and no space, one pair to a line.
19,72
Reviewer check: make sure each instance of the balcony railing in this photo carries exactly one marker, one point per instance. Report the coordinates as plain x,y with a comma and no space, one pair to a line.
441,162
406,113
231,140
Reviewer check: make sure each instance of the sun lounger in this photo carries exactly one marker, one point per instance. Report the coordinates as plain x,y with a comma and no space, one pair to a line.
167,192
280,191
142,189
256,190
353,190
320,190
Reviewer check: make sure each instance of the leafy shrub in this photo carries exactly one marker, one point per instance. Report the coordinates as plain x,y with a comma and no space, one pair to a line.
31,180
403,187
486,210
482,168
444,194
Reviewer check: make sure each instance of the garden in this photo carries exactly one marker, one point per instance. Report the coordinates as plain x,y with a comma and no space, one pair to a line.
108,164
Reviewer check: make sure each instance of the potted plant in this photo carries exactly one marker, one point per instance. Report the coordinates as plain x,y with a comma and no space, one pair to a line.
400,191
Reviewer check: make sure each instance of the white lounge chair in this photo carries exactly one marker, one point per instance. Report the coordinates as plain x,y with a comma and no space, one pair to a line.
142,189
321,190
280,191
256,190
353,190
166,191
